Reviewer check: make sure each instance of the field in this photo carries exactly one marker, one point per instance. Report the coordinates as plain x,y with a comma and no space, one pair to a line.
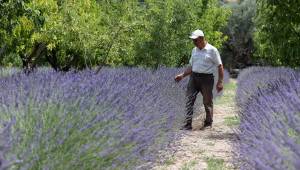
129,118
90,85
114,119
269,111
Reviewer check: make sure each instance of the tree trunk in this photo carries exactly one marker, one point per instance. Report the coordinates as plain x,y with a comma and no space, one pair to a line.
28,61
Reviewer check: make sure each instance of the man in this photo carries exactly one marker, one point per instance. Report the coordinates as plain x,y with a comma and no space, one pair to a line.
204,60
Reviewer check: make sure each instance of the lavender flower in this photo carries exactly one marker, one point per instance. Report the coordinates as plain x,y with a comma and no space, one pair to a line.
115,119
269,105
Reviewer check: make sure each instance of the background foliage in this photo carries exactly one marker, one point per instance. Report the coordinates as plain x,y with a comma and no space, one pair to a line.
86,33
238,50
277,36
78,34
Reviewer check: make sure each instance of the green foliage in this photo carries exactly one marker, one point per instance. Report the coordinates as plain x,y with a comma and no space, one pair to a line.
170,24
278,32
10,11
85,33
124,27
71,32
238,50
11,60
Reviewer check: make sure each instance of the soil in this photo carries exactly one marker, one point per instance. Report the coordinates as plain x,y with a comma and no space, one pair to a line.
198,147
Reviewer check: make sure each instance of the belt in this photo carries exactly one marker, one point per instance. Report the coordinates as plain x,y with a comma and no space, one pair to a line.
202,74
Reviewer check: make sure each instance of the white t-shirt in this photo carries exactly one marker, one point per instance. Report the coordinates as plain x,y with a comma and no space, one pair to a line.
205,60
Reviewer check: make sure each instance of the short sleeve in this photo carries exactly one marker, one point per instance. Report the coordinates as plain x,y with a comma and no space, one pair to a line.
191,58
217,57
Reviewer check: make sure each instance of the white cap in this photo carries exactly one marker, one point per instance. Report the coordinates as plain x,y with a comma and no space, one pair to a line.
196,34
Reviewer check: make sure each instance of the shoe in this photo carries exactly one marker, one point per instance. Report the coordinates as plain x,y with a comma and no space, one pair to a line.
186,127
206,125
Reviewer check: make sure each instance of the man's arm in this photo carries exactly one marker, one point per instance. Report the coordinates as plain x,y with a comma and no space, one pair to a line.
221,76
187,71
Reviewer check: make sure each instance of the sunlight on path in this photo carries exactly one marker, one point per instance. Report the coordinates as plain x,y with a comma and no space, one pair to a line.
209,148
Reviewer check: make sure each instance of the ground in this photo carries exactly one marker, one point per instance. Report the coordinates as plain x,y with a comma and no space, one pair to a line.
211,148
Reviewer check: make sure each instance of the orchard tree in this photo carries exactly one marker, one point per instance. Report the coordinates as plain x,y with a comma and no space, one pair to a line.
85,33
238,50
10,11
170,23
277,36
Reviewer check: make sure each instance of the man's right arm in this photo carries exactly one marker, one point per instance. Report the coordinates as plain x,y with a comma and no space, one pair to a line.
187,71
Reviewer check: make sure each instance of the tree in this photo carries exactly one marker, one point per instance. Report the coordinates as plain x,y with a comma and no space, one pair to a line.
170,23
278,32
238,50
10,11
85,33
65,32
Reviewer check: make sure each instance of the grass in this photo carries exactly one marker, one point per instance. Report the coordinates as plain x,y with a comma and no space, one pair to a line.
232,121
170,161
189,165
231,85
198,152
228,97
210,144
215,164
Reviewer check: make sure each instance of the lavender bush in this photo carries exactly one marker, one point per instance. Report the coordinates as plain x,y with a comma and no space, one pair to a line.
252,79
114,119
4,71
269,132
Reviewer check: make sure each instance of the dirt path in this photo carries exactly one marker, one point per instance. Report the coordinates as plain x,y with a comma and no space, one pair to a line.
210,148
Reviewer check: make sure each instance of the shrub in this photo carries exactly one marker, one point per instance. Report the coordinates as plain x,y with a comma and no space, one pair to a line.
269,132
115,119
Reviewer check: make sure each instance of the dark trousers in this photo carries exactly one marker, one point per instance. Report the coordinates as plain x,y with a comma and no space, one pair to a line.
203,83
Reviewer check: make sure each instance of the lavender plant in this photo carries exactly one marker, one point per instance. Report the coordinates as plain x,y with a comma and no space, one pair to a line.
269,132
114,119
254,78
8,71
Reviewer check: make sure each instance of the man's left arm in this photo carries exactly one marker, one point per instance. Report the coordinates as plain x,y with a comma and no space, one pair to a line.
221,76
218,62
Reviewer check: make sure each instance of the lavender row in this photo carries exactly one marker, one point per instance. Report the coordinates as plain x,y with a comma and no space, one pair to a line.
254,78
8,71
269,132
114,119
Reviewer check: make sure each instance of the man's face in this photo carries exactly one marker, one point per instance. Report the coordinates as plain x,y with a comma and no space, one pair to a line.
199,42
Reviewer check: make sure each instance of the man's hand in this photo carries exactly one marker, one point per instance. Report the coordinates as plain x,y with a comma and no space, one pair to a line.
178,77
187,71
220,80
219,86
